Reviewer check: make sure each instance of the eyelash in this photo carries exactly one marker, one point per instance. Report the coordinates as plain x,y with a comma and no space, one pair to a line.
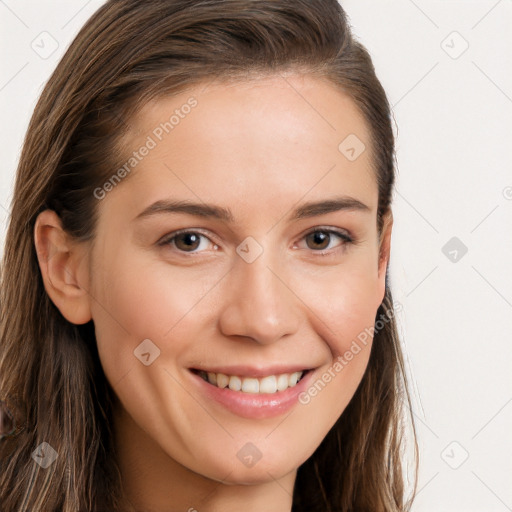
345,238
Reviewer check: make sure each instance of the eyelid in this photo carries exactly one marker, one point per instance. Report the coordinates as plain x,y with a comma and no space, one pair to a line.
341,233
166,239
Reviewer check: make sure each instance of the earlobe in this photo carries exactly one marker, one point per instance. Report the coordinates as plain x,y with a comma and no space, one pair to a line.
61,263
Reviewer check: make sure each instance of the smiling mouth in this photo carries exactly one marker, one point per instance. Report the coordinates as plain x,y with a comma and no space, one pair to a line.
265,385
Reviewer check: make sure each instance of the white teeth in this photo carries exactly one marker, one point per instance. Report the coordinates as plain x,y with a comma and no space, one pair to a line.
282,382
292,380
250,386
269,384
235,384
222,380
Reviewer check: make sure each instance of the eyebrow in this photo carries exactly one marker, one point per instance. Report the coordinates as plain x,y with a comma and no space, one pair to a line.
306,210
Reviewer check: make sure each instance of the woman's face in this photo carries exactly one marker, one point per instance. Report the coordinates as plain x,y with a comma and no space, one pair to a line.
246,292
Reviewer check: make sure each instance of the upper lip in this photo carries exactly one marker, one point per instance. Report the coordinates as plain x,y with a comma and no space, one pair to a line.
253,371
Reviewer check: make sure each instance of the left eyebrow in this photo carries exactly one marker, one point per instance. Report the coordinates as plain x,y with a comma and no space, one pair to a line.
306,210
312,209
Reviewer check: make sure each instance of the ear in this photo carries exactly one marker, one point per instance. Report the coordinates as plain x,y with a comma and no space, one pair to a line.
63,264
384,252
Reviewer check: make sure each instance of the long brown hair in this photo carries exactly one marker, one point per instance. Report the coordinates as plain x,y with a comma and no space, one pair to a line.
51,379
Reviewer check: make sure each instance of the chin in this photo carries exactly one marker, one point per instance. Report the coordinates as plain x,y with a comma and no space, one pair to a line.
261,472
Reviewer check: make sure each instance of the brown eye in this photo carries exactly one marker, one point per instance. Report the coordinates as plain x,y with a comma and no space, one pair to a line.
187,241
319,240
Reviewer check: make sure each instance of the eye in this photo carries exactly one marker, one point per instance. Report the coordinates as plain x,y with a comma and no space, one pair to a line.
187,241
320,240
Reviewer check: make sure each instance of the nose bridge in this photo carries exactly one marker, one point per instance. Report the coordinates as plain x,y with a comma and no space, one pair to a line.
259,304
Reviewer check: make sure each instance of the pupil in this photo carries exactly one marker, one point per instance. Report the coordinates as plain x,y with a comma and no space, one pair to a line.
190,240
320,237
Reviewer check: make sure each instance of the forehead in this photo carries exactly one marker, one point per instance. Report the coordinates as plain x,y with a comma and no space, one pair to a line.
269,139
296,107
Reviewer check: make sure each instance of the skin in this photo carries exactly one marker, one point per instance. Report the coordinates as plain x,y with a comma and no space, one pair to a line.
260,148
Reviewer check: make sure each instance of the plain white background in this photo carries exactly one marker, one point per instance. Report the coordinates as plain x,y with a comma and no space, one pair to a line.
447,69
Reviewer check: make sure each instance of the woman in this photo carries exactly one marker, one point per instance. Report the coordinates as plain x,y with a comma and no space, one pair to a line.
195,310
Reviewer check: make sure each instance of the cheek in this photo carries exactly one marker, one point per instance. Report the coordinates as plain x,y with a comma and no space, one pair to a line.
344,301
341,308
352,314
344,305
134,300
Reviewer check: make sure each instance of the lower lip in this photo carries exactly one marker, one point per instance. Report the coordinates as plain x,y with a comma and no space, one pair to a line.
254,405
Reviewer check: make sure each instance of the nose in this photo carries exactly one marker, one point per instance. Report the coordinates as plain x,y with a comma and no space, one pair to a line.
259,304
